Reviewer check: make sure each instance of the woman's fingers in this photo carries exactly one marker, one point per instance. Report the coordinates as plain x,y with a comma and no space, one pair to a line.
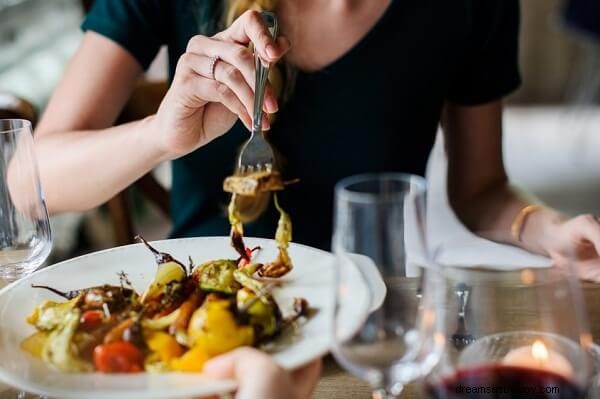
588,270
205,90
589,228
306,378
195,65
223,72
249,27
236,55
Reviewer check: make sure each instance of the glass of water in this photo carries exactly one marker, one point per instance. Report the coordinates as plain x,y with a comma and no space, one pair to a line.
387,323
25,237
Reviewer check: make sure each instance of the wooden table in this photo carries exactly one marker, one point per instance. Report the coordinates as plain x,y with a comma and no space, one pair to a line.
336,383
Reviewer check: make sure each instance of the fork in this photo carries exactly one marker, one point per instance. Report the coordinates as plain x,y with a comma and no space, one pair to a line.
257,155
462,337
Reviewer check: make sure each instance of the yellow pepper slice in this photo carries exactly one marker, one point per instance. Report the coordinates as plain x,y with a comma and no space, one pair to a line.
164,345
214,328
34,344
191,362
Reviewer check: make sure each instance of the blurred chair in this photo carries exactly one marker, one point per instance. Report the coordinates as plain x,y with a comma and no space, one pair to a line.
144,101
13,107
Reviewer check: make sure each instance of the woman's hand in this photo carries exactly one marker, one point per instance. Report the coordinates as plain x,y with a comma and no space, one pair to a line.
575,240
208,93
259,376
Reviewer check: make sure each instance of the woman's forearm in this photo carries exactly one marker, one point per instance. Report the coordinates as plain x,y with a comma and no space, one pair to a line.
83,169
492,214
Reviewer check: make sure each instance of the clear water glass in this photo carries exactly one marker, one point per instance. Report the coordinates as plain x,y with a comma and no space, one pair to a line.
25,236
389,332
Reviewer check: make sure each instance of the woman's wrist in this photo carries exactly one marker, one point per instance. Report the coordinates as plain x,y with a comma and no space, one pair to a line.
540,229
150,137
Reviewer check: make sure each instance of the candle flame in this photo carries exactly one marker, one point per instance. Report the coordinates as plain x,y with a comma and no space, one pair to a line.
539,351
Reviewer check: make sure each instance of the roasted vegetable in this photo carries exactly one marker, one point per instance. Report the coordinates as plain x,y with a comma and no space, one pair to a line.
264,316
34,344
256,286
50,315
179,326
254,183
282,264
160,323
91,319
118,357
169,271
164,345
214,327
192,361
237,229
58,349
118,332
244,261
105,297
217,276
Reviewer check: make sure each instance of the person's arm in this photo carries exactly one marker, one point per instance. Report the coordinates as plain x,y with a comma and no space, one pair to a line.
482,198
84,162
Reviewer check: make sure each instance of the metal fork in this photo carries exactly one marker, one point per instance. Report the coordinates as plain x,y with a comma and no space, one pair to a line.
257,154
462,337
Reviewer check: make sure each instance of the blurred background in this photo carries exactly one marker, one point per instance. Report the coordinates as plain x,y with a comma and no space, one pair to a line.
552,124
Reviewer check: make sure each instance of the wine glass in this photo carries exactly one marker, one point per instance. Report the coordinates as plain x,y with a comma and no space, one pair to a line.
385,322
512,333
25,237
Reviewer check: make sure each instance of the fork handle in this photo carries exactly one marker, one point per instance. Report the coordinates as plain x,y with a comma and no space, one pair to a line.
262,73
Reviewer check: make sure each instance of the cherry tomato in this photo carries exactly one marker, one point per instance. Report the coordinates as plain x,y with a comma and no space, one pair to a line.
118,357
90,319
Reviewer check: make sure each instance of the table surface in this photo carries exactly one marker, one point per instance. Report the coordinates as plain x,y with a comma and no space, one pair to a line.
337,383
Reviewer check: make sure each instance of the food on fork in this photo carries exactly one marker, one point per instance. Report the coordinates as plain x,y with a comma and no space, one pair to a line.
254,183
185,317
257,183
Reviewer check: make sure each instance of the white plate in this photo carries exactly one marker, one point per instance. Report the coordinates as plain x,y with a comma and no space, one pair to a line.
312,278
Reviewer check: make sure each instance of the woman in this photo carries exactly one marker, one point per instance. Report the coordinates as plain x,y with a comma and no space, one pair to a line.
364,86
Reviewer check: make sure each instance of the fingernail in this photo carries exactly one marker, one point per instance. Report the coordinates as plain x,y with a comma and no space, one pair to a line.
271,51
266,125
271,104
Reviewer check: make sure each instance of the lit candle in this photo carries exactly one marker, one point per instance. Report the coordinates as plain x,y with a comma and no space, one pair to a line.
537,356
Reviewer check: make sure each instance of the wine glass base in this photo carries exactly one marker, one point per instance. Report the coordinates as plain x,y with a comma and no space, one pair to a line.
12,273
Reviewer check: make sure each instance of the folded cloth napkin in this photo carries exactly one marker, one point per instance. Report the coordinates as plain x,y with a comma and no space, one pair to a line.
583,16
450,243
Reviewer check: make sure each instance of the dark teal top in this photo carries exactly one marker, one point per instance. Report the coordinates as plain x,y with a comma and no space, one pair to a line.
374,109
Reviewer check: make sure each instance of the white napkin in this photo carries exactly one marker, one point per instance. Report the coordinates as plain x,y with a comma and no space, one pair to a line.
459,246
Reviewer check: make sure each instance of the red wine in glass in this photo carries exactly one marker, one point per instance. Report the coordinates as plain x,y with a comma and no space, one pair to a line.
504,382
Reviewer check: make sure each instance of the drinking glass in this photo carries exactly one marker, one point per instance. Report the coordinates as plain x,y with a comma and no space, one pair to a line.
513,333
25,237
386,329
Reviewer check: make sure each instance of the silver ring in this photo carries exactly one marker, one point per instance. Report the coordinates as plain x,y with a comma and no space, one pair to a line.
212,65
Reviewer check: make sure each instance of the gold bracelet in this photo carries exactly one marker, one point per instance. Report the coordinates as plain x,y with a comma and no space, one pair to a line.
516,228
